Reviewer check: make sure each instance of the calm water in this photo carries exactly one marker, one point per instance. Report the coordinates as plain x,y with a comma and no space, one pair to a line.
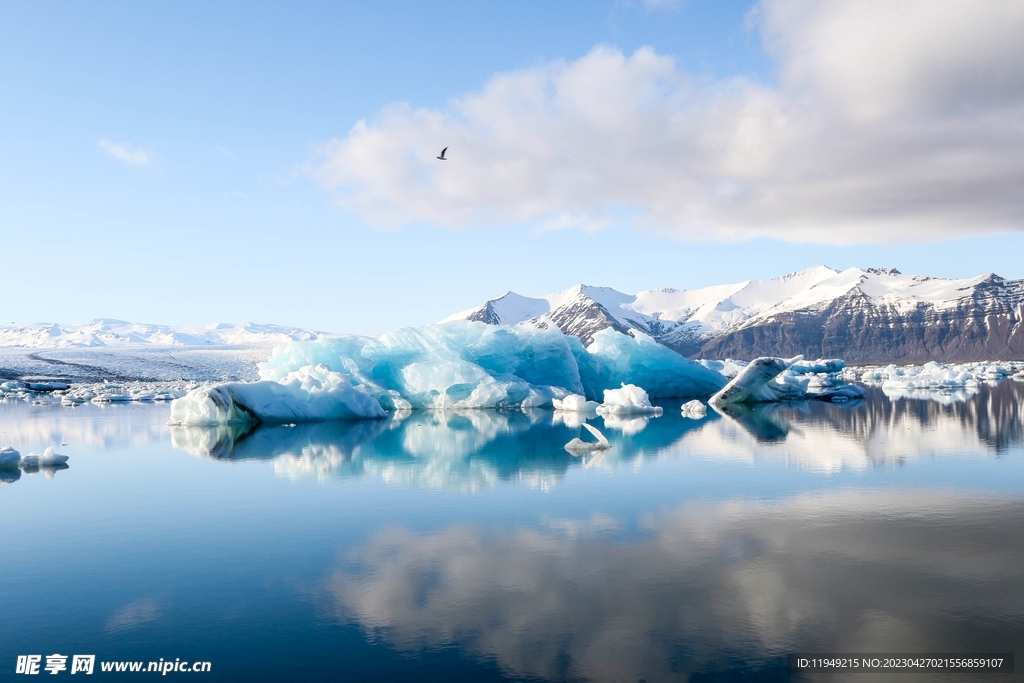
471,546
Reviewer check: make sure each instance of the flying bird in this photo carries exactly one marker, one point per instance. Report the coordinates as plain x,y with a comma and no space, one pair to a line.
442,154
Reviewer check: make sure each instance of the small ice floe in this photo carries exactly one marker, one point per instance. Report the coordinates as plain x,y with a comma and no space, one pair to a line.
9,458
574,403
841,394
578,446
629,400
112,398
694,409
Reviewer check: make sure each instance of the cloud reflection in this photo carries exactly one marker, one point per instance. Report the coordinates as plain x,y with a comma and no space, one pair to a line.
705,582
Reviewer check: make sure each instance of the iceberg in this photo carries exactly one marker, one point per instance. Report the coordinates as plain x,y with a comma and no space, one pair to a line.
309,394
614,359
758,383
48,459
804,367
9,458
629,400
455,365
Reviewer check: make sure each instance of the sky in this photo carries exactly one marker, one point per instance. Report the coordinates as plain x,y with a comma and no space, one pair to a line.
187,163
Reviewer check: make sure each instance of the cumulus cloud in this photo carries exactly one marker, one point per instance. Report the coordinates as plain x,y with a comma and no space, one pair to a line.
890,122
127,153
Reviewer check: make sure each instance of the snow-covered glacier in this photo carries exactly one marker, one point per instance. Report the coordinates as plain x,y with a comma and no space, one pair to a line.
454,365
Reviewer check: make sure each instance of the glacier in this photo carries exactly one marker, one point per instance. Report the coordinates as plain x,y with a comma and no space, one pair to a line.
453,365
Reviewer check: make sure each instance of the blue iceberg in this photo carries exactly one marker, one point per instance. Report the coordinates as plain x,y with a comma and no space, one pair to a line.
455,365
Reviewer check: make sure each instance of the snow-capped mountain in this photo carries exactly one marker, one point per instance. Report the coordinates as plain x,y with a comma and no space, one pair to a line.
873,315
105,332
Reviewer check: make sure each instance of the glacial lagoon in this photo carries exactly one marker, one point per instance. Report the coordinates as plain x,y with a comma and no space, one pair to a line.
471,546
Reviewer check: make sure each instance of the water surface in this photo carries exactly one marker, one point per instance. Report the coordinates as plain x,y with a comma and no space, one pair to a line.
471,546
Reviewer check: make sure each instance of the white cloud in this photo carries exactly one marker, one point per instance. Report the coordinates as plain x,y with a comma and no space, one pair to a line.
127,153
892,121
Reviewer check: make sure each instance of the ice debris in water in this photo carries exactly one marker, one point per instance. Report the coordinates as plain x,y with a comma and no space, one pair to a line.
769,379
629,400
578,446
937,375
453,366
574,403
306,395
48,459
75,394
11,460
694,409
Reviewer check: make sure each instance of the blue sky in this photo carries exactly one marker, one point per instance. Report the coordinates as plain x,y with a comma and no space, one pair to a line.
185,162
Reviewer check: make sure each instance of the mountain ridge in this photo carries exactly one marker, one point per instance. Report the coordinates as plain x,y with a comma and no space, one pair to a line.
868,316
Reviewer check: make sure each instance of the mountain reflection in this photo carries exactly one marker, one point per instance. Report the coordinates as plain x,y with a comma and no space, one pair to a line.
475,449
876,431
703,584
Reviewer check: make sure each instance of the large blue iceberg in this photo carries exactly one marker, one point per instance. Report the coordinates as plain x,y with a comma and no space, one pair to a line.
454,365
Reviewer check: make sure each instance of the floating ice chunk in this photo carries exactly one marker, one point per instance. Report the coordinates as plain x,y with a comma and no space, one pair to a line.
112,398
577,446
49,458
841,394
760,382
9,458
309,394
575,403
629,400
804,367
694,409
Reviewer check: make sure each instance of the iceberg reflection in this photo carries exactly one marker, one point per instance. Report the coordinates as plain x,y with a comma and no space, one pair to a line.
474,449
702,585
461,450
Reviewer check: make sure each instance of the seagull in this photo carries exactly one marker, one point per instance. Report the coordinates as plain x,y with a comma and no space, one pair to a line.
442,154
